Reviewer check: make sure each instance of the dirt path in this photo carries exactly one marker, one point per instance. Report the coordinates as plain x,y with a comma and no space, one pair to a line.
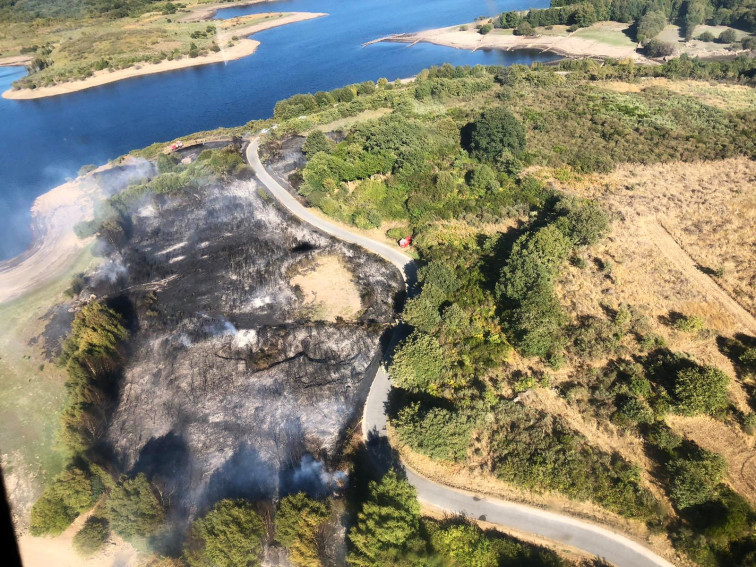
687,266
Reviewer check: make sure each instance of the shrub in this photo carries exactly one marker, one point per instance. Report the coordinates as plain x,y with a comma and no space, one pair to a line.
727,36
436,432
658,48
229,535
690,324
706,36
418,363
701,389
748,43
485,29
525,29
92,536
582,220
694,481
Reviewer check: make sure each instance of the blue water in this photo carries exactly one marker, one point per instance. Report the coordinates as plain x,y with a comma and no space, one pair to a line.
46,140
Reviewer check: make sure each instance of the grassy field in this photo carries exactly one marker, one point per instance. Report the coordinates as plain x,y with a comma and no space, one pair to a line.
610,34
32,390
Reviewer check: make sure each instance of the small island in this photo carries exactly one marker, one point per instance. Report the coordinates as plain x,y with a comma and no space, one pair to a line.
78,53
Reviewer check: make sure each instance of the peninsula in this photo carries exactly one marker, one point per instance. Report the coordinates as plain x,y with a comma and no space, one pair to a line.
63,60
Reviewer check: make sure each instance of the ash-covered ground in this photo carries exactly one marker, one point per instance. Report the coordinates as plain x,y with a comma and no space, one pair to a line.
226,391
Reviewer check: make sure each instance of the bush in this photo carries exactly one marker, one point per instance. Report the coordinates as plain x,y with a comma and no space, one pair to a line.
485,29
229,535
690,324
658,48
694,481
727,36
524,29
418,364
133,508
92,537
701,389
706,36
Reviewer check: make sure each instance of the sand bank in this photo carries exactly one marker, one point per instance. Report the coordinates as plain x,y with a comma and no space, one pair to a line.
208,11
570,45
241,48
55,246
15,60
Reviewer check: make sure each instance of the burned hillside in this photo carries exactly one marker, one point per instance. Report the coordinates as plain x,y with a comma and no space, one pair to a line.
230,388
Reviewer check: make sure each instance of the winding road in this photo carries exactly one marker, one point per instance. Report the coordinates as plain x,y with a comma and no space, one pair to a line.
593,539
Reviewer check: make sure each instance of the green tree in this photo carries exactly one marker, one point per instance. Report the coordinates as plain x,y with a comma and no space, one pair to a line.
650,25
418,363
133,508
316,142
582,221
299,525
465,545
701,389
525,29
388,524
727,36
229,535
69,495
495,131
694,481
92,536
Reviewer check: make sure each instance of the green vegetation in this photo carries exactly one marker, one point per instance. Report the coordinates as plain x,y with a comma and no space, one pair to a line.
390,532
649,17
92,536
230,535
70,494
134,508
494,244
299,528
73,42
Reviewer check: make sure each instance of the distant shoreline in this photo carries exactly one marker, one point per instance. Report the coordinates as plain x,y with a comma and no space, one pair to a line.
242,48
564,45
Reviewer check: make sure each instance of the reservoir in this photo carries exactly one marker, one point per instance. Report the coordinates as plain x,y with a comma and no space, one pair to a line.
43,141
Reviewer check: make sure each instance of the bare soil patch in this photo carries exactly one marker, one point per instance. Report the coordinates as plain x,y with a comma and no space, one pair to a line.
328,289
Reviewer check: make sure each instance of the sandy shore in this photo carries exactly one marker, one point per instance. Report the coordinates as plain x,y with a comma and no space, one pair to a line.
241,48
566,45
14,60
208,11
54,244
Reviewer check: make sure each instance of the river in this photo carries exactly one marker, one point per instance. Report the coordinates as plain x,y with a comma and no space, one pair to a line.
46,140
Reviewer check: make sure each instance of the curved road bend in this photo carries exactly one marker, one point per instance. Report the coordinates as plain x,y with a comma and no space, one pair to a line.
588,537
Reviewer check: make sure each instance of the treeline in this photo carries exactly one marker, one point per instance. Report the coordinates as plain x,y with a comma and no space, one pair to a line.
92,356
649,16
28,10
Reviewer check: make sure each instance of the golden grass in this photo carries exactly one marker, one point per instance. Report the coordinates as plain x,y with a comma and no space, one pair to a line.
328,289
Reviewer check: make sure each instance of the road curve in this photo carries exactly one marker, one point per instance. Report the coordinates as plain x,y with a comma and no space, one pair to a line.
594,539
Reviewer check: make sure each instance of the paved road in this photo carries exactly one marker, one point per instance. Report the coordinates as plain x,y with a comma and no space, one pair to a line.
594,539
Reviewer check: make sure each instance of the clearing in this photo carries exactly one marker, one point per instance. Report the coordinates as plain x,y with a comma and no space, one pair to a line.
328,289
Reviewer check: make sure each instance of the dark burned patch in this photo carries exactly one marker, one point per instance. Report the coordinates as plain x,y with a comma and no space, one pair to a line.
59,319
221,371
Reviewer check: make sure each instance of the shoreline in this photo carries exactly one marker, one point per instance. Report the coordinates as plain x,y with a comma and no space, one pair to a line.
243,48
208,11
54,214
564,46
